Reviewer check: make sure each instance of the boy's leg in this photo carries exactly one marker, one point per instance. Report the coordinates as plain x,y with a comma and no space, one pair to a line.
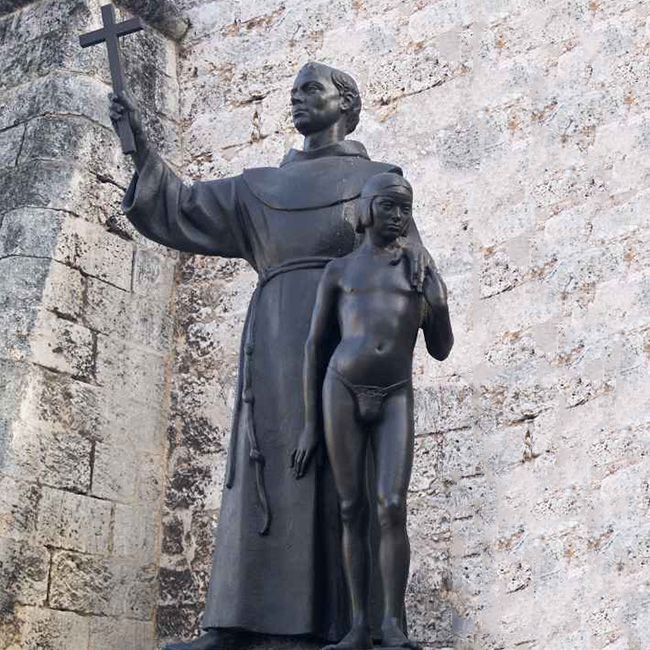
392,443
346,448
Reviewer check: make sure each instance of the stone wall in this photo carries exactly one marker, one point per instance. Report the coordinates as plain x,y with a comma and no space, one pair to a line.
525,130
85,337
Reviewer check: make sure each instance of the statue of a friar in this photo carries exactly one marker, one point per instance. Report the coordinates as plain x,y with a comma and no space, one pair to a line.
277,566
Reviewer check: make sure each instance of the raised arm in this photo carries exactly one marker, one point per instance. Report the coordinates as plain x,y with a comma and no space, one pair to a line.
322,320
436,323
205,218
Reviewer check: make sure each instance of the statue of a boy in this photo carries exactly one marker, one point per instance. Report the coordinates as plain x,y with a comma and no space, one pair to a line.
367,395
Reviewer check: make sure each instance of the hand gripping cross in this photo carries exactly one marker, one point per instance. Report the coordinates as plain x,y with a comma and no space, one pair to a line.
110,34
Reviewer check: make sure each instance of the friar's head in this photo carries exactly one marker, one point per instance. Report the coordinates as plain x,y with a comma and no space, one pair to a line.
386,205
322,96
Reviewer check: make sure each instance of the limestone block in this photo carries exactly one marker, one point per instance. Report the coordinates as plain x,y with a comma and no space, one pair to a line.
428,522
135,532
140,373
172,535
106,634
177,585
434,19
165,16
74,521
49,628
23,573
102,586
468,496
19,504
79,244
462,454
122,474
9,6
444,406
499,272
129,423
63,346
96,252
60,186
429,610
58,460
22,279
177,622
63,292
153,274
10,143
235,128
150,66
15,327
209,17
188,486
151,476
71,137
56,94
426,464
115,472
61,404
44,38
115,312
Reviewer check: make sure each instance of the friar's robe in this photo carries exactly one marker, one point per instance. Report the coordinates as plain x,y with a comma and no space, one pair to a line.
288,581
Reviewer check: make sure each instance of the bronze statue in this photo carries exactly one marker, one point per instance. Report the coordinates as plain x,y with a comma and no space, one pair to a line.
277,565
367,395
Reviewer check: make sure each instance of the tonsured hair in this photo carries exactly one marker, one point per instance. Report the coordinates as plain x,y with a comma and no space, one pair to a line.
348,88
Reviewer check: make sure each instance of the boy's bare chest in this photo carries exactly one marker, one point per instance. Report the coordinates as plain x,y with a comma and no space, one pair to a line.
376,277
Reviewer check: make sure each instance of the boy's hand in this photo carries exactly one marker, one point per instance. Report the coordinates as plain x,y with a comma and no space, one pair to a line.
435,289
304,451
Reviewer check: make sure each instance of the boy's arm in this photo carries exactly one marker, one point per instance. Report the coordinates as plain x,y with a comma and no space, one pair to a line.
436,324
321,322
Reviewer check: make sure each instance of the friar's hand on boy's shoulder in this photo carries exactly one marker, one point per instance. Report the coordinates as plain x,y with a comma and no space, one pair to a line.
435,290
419,262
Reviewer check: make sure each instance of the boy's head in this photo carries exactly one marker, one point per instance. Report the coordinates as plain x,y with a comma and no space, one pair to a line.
386,203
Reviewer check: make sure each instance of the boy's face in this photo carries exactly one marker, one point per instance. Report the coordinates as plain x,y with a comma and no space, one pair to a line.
391,213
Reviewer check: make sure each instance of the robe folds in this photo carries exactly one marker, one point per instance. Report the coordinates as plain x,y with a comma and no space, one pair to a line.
288,581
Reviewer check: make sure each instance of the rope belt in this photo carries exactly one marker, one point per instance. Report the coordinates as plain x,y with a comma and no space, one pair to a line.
245,399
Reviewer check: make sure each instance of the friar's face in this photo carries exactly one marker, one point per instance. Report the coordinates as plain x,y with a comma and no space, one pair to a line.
390,213
316,103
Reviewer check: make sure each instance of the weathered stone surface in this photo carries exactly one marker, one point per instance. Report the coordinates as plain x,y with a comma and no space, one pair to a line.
44,38
23,574
11,141
40,627
19,504
135,531
61,460
106,635
164,15
115,472
63,346
74,521
139,318
139,372
94,585
524,129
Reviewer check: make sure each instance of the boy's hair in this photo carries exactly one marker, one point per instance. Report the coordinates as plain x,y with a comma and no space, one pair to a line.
376,186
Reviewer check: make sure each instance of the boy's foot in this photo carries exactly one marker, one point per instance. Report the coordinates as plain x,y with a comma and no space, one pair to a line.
393,637
358,638
209,641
